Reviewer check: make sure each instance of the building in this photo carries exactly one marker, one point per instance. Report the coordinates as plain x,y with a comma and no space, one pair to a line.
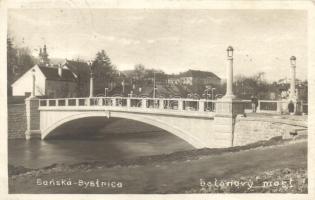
82,72
195,78
101,80
301,88
50,81
159,77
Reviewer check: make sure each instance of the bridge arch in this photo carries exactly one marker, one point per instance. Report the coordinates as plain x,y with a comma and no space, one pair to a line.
154,121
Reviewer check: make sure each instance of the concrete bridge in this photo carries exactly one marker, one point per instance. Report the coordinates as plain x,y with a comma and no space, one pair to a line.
192,120
202,123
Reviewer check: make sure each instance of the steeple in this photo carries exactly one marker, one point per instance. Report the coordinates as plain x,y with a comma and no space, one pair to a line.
40,52
43,56
45,50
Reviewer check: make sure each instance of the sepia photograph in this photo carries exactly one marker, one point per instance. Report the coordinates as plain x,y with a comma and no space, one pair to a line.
157,101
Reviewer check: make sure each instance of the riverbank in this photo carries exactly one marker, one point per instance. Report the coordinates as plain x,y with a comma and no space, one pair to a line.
179,172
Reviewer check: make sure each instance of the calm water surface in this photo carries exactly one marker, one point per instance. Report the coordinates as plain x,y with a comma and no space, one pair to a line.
105,145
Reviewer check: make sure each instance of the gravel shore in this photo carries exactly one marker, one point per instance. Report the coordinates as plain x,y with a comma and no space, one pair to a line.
181,172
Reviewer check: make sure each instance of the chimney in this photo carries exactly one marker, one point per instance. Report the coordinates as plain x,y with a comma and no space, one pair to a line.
60,70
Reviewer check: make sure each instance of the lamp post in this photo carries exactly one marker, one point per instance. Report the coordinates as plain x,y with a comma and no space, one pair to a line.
212,97
212,93
33,83
91,79
229,74
123,87
105,94
154,86
131,93
154,90
292,82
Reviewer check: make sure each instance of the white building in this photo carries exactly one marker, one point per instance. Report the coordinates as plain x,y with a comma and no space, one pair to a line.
49,81
195,77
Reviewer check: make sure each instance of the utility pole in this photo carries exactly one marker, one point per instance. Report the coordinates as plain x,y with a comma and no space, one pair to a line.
105,94
154,85
91,79
33,83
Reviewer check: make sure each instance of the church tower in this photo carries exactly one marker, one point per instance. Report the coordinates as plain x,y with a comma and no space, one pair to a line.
43,56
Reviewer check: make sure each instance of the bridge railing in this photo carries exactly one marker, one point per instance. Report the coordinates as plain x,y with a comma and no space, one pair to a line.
266,106
201,105
179,104
305,107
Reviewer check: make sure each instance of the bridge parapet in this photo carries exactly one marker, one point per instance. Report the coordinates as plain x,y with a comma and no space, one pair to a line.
178,104
275,106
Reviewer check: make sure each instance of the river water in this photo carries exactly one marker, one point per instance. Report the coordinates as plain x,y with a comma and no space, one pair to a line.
122,139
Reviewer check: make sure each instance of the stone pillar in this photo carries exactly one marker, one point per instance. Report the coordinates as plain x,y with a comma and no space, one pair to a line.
91,85
224,121
293,95
161,104
201,105
128,102
279,107
143,103
180,104
229,74
259,106
32,118
114,102
227,109
99,101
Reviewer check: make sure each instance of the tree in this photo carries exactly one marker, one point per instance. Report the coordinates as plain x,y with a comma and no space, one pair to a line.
19,60
11,63
102,60
104,71
244,87
139,72
25,60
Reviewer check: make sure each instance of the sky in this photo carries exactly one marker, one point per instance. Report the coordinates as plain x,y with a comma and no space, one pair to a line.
171,40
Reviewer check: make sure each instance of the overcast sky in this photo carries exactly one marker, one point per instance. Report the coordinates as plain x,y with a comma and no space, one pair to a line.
171,40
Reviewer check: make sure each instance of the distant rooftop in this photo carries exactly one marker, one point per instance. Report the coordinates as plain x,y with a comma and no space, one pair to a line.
195,73
77,66
51,73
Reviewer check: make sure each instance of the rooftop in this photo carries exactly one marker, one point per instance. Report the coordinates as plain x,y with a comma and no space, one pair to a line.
195,73
78,67
51,73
